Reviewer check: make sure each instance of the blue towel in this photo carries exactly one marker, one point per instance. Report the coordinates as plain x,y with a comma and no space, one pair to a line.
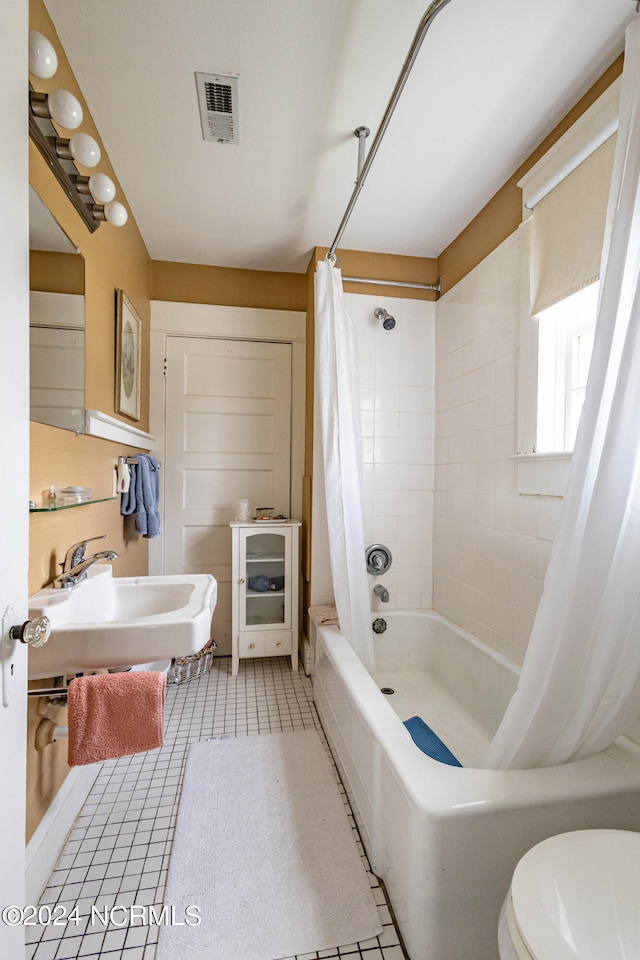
429,742
143,496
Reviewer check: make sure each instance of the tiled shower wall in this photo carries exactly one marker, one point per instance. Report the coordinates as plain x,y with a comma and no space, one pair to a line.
439,475
491,546
398,395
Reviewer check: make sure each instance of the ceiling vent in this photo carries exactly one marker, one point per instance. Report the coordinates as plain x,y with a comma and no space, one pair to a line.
218,100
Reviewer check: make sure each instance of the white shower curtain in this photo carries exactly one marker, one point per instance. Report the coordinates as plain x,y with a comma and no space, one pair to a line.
339,395
580,683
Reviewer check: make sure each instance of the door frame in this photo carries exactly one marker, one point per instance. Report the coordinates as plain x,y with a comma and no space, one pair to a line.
171,318
14,516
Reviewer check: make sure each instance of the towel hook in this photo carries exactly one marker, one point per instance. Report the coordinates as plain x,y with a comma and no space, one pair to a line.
132,460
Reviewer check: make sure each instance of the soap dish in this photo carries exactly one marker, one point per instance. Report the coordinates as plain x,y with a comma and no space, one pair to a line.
73,494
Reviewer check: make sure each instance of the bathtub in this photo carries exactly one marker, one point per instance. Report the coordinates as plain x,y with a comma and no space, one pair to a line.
446,840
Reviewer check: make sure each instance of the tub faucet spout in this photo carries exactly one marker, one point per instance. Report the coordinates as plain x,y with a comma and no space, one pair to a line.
381,592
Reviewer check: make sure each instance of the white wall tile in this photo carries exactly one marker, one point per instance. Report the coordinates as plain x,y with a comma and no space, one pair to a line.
525,554
386,423
548,516
439,409
488,540
397,390
386,503
412,450
386,530
412,399
525,516
386,449
367,396
386,476
543,554
387,396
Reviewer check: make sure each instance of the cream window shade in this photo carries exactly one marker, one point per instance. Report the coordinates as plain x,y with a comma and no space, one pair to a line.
568,230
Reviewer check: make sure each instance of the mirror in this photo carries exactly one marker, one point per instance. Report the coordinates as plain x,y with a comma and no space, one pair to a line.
57,313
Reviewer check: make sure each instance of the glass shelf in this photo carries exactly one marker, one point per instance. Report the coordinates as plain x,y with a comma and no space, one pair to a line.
54,505
262,594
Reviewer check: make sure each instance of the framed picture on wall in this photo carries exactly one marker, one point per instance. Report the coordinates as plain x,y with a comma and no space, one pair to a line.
128,357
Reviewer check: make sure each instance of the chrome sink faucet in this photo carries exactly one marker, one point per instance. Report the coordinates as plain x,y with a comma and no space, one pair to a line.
75,565
381,592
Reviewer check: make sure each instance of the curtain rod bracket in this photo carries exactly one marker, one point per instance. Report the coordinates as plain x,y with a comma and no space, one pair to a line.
362,133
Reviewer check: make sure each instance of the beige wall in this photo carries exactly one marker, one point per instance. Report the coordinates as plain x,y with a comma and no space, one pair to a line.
56,272
114,258
227,287
67,458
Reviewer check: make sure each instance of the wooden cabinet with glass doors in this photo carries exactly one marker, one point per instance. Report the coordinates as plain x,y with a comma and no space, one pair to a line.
264,590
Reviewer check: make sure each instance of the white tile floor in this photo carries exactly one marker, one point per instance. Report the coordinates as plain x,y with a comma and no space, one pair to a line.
118,851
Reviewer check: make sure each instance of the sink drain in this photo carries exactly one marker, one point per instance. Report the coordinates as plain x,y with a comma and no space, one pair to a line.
387,690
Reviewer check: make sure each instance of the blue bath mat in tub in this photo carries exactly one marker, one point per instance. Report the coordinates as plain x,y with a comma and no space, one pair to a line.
429,742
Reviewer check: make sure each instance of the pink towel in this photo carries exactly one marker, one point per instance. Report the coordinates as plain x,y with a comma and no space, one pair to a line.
115,714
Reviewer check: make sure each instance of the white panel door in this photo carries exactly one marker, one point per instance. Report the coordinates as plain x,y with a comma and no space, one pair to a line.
57,351
228,435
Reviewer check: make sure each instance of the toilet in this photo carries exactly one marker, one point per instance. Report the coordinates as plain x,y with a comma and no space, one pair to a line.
575,896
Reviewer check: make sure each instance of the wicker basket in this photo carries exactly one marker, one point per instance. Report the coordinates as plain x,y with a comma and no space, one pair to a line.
189,668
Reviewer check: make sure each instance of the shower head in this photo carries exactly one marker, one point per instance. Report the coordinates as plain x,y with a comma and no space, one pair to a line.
388,322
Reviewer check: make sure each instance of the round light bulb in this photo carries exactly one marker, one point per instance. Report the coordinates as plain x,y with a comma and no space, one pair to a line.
101,187
84,149
115,213
43,60
64,109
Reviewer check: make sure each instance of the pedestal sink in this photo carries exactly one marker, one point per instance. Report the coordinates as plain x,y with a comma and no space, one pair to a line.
109,621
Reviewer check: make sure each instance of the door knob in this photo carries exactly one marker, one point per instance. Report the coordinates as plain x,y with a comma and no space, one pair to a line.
34,632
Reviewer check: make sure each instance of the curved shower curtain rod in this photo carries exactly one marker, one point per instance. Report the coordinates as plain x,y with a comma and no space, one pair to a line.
428,18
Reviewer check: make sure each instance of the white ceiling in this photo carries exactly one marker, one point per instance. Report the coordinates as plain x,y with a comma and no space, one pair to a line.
492,79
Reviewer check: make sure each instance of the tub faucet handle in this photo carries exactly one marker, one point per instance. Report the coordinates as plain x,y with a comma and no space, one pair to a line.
378,559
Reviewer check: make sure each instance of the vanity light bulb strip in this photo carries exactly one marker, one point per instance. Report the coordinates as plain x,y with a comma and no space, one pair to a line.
65,110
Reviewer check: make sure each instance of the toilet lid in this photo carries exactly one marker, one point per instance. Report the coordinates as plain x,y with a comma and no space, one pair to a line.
577,895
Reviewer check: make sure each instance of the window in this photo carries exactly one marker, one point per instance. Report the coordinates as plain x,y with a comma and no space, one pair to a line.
565,196
565,343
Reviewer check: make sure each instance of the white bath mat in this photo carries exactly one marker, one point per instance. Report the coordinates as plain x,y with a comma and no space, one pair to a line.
265,851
